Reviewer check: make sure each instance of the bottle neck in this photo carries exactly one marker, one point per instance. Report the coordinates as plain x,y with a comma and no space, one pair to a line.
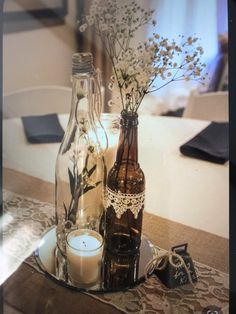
84,86
128,141
82,96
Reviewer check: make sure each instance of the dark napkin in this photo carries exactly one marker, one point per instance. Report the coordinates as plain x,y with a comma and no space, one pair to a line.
43,129
210,144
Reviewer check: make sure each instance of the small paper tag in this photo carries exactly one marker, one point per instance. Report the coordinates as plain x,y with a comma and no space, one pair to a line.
180,249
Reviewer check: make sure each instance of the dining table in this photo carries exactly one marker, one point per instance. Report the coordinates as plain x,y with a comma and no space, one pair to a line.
187,201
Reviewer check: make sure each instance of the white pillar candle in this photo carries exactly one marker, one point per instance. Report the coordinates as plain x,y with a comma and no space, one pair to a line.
111,124
110,154
84,254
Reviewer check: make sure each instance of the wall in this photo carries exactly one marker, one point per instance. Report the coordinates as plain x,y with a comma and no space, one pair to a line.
41,56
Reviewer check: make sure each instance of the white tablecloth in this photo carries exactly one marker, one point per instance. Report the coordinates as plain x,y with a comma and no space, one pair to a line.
179,188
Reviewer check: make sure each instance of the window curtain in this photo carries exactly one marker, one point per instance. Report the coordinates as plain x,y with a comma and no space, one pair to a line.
205,19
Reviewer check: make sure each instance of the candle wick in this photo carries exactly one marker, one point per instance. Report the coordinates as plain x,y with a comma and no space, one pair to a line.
84,243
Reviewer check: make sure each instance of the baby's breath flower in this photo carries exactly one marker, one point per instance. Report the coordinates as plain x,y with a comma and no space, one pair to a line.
189,58
83,27
190,40
135,69
110,86
200,49
110,103
90,20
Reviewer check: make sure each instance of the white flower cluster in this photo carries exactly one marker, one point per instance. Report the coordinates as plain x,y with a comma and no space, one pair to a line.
82,146
136,68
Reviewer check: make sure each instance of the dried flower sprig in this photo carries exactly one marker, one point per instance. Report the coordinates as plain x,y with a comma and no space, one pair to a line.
135,69
80,183
81,180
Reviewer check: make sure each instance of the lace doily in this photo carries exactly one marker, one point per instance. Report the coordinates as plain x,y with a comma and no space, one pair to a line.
122,202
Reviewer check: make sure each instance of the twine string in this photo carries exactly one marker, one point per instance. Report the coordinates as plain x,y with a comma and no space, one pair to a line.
167,257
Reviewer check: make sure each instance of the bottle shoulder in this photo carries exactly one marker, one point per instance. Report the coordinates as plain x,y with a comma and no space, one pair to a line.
126,179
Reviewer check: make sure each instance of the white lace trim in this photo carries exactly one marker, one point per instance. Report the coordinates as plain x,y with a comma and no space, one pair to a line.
122,202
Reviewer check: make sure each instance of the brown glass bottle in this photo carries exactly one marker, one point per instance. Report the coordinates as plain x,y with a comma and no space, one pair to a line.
125,192
120,271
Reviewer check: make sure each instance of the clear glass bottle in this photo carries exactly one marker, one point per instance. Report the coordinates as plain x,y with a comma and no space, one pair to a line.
80,169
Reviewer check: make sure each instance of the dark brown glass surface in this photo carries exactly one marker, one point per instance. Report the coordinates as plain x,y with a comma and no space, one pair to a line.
120,271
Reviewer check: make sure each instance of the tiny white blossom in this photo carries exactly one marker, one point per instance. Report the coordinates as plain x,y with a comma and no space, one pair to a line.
110,103
190,40
83,27
110,86
90,20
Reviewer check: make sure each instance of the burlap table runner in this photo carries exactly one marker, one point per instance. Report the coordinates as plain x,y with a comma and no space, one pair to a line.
26,219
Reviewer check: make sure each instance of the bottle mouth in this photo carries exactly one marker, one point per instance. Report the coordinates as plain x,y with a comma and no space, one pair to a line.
129,119
82,62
